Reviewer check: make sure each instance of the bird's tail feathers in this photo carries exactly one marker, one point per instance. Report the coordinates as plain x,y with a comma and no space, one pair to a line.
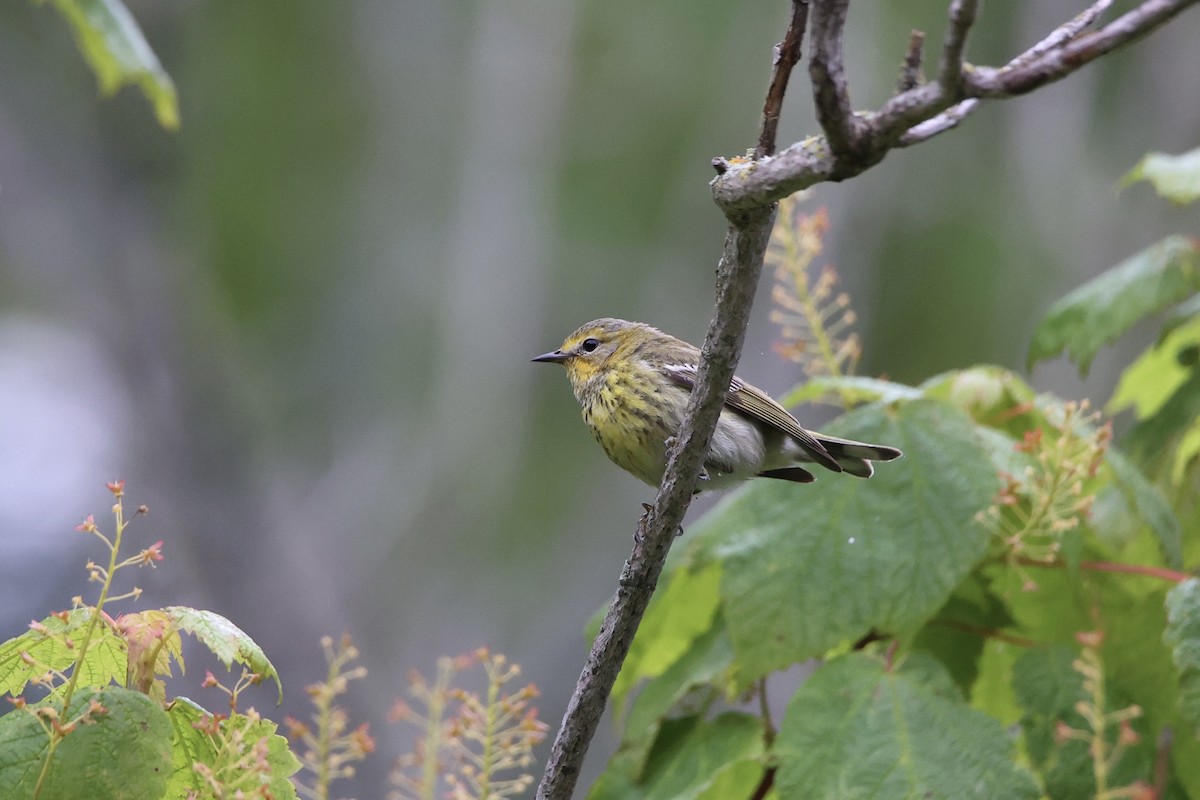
855,457
793,474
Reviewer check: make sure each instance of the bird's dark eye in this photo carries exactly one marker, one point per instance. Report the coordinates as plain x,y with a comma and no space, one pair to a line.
589,345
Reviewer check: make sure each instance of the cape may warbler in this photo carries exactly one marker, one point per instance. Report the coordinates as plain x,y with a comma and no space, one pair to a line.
633,382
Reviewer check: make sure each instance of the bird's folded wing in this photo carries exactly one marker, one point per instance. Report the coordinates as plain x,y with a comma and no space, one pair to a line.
755,404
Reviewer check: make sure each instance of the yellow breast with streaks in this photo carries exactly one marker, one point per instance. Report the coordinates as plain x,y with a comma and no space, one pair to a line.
622,417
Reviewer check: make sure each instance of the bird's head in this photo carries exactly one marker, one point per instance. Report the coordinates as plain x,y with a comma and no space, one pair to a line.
587,351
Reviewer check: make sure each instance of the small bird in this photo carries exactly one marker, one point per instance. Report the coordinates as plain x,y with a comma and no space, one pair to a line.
633,382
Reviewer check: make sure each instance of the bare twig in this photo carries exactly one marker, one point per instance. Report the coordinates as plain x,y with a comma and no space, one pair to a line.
948,119
1162,761
1063,33
910,70
1024,74
984,632
787,53
764,785
962,17
1162,573
827,71
764,710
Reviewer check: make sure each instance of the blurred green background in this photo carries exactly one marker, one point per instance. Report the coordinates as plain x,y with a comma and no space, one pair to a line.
300,327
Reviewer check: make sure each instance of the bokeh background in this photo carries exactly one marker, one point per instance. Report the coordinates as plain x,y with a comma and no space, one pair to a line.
300,327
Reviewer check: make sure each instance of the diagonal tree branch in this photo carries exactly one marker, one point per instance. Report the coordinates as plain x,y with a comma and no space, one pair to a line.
738,272
787,53
737,279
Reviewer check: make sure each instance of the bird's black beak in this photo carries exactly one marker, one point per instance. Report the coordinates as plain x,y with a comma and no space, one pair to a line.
557,357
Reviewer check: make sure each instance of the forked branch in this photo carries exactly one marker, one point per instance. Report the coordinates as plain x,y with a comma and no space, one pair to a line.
855,141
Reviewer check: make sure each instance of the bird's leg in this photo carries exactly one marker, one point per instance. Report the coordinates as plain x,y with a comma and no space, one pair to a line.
703,470
638,532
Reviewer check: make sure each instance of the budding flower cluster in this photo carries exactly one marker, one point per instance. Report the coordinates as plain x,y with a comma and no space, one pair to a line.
1052,495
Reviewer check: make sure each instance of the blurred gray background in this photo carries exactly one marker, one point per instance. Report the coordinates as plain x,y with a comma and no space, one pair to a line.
300,327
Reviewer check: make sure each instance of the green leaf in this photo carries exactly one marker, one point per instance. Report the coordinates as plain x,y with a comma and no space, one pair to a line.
850,390
992,692
683,609
1101,310
1002,450
104,662
926,670
115,49
1051,691
855,729
121,754
189,746
1177,178
696,678
1048,689
282,761
988,393
957,634
1046,684
695,759
223,754
1148,505
1186,453
736,781
1152,442
1137,660
1183,313
227,641
1156,374
1182,635
1185,766
1048,605
809,567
